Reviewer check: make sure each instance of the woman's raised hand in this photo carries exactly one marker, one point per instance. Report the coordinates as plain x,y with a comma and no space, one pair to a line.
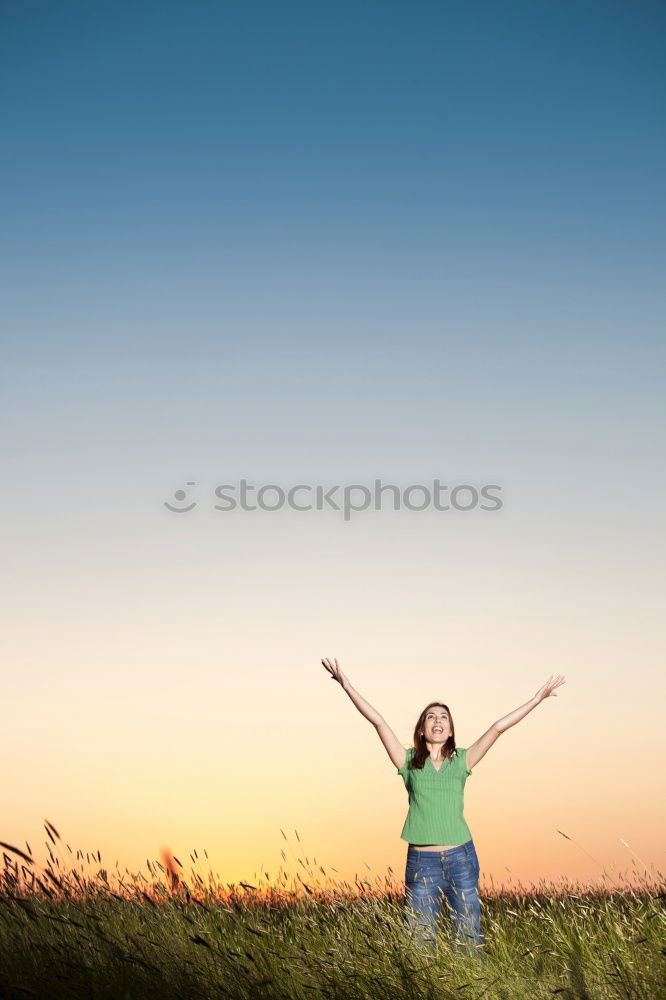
335,671
549,688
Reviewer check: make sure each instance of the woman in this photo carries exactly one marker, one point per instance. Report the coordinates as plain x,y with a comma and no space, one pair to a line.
441,857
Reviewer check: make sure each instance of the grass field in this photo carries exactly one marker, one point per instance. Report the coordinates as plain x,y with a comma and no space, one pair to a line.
64,933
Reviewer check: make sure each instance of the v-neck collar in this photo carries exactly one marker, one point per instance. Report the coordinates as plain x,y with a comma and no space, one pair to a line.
437,769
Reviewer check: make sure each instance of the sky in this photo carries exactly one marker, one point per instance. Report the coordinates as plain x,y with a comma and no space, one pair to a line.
325,244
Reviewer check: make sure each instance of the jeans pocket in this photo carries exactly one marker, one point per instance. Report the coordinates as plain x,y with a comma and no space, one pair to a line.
412,870
474,862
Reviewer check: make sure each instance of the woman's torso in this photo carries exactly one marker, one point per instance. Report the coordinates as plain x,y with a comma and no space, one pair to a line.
434,847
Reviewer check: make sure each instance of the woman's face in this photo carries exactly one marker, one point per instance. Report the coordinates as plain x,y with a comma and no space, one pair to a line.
437,725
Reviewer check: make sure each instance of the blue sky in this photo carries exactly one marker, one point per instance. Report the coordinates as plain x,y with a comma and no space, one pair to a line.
368,222
368,239
484,169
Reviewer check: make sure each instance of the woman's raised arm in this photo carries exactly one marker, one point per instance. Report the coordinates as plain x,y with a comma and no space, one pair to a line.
393,746
484,743
364,707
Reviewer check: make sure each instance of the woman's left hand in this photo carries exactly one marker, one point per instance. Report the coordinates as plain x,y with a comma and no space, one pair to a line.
549,688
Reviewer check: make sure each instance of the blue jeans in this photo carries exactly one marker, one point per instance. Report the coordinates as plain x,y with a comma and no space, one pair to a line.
434,876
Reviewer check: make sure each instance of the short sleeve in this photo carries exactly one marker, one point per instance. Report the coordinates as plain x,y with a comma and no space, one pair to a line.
404,770
462,753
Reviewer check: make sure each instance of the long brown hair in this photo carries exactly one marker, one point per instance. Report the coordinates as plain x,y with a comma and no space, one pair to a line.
421,747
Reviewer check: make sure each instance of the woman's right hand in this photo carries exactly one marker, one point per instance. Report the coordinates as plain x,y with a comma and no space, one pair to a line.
335,671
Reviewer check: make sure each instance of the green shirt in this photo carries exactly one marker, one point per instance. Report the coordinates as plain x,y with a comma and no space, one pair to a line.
436,800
